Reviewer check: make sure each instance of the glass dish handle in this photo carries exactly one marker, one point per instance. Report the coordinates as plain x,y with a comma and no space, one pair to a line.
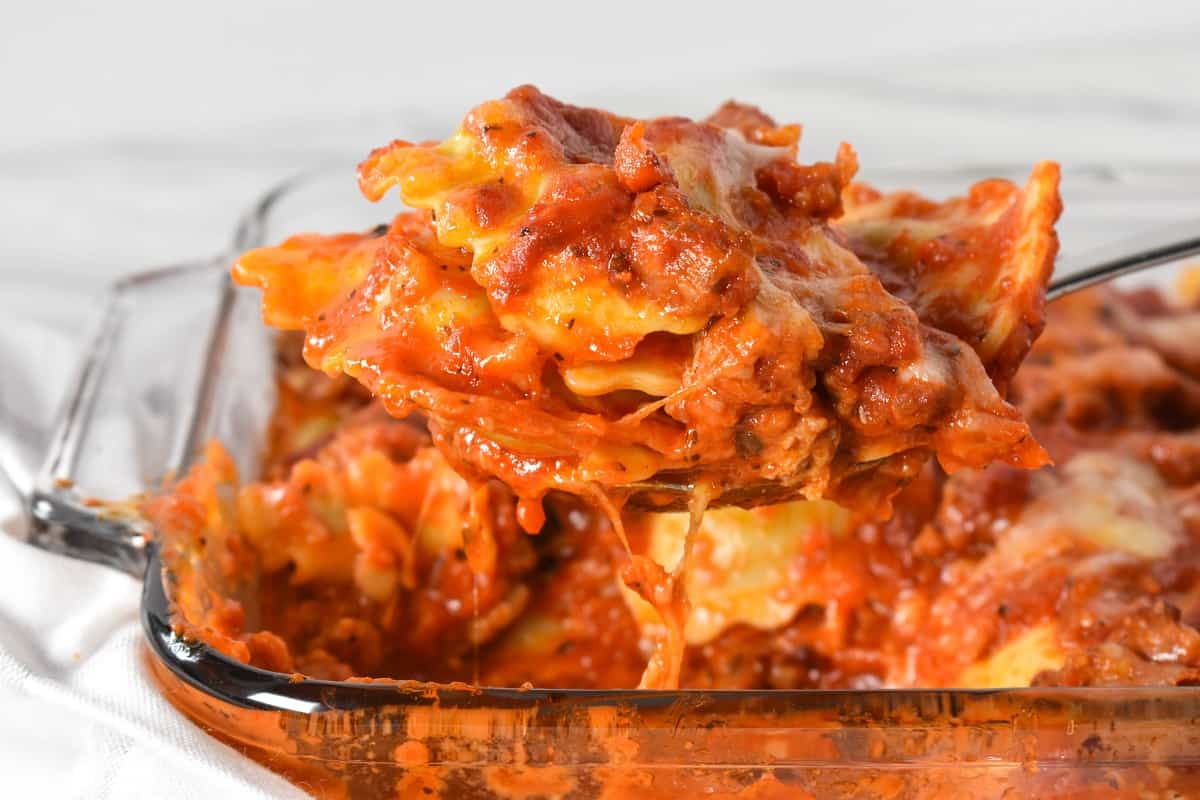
129,420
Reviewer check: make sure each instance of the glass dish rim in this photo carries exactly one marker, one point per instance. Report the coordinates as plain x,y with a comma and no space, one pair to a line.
245,686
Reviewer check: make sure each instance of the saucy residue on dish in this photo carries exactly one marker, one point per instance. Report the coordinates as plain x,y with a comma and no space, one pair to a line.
582,301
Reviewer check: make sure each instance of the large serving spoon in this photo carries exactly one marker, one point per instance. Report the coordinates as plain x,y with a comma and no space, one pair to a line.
1071,273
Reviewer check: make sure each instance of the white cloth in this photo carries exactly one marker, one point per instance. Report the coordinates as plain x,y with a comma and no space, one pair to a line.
79,715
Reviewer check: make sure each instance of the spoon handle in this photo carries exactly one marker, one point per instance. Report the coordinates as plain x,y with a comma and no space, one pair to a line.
1129,255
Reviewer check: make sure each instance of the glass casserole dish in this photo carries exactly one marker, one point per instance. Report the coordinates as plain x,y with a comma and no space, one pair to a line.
126,427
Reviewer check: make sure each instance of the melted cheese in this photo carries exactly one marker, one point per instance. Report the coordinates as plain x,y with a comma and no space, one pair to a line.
1113,502
742,572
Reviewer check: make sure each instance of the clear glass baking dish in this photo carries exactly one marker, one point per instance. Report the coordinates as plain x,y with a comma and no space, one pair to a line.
181,357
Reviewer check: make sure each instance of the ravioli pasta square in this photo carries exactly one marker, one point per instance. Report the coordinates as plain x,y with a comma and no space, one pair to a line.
582,302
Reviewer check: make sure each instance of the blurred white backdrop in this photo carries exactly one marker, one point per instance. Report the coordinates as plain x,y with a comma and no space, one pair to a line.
135,132
144,72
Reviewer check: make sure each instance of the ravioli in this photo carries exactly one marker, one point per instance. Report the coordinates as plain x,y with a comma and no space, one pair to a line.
584,302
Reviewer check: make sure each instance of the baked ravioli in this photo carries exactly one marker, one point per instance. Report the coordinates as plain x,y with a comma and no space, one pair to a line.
585,302
358,551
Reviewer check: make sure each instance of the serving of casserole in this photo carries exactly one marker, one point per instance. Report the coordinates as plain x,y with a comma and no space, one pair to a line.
980,576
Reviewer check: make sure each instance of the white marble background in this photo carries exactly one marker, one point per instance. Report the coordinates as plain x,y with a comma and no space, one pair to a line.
134,133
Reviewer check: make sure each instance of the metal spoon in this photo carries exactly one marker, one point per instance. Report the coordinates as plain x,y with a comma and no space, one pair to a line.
1160,246
1072,273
